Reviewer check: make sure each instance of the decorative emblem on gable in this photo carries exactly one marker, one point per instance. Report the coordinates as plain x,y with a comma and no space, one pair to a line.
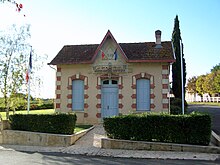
110,63
110,54
110,59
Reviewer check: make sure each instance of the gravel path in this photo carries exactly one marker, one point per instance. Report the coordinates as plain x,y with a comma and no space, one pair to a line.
88,140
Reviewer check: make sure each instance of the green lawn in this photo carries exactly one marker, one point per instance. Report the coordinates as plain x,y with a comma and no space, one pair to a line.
81,127
205,103
43,111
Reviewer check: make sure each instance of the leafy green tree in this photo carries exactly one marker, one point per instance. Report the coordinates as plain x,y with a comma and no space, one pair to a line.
13,51
21,95
217,81
216,68
191,85
208,85
199,84
176,67
17,103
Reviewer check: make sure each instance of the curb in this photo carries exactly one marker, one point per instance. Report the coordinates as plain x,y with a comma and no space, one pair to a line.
107,143
17,137
215,139
139,154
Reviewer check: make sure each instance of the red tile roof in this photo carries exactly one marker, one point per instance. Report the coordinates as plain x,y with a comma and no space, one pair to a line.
135,52
132,52
75,54
147,51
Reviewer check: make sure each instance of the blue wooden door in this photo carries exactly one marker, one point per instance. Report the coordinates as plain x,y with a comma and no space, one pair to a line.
109,98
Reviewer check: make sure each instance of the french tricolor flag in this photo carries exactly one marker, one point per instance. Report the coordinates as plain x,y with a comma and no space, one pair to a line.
29,68
103,55
115,54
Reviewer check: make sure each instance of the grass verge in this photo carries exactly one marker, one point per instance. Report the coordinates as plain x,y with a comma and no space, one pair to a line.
204,103
43,111
81,127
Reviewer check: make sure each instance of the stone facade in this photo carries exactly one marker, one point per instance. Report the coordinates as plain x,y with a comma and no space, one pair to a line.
156,72
122,63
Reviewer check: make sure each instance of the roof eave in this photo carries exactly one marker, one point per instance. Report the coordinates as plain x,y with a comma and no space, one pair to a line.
154,61
82,62
129,61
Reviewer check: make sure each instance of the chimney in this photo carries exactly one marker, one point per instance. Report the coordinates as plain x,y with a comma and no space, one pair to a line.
158,38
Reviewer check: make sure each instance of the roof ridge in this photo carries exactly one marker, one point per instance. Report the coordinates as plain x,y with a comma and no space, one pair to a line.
81,45
118,43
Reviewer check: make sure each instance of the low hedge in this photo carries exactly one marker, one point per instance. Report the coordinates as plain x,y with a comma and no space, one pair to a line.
32,107
50,123
37,106
183,129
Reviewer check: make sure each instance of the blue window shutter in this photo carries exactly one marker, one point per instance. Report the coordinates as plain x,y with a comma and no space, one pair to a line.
143,94
77,95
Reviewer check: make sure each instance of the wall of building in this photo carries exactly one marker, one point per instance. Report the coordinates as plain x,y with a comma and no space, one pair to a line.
156,72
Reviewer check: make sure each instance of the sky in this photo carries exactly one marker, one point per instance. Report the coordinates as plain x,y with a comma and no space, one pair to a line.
72,22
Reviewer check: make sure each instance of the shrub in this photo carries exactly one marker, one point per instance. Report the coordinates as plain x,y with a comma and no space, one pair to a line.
53,123
2,109
177,102
46,106
185,129
175,110
176,106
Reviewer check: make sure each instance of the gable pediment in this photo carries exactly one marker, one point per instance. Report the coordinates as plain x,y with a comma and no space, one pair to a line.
109,51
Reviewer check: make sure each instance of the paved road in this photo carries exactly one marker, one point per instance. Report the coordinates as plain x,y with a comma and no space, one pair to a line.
214,111
11,157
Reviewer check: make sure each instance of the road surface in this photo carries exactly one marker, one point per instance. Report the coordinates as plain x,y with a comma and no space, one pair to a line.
10,157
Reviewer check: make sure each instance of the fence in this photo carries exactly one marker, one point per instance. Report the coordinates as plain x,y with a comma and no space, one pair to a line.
203,99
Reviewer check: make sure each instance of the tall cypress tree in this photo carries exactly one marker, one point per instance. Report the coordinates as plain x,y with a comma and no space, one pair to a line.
176,67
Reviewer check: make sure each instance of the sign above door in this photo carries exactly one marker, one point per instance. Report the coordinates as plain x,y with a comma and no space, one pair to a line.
109,68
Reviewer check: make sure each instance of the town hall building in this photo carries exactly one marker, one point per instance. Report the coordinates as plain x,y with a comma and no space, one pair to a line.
111,78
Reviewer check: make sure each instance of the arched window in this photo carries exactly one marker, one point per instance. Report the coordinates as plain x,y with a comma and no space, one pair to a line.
106,82
109,82
114,82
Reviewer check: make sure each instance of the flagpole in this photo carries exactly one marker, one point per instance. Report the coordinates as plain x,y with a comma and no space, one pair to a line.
28,106
29,75
181,56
